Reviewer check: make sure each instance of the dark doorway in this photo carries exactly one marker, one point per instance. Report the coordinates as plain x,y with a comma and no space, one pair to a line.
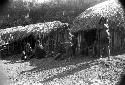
90,37
89,43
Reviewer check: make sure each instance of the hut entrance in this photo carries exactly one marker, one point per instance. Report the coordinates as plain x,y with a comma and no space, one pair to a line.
118,41
90,38
84,42
94,43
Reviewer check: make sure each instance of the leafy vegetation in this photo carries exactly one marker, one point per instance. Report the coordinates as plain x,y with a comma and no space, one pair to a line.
22,13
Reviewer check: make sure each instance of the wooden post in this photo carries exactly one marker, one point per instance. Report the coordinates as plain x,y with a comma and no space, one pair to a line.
99,43
109,37
99,46
112,43
79,42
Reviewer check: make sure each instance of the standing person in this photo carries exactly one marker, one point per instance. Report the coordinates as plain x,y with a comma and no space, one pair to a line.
27,53
104,43
107,46
104,38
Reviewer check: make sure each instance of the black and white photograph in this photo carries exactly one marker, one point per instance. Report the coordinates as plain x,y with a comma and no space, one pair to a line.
62,42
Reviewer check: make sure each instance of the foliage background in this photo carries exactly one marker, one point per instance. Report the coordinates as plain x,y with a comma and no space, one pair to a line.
23,12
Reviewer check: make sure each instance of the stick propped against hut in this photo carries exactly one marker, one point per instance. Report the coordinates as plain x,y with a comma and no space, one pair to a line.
94,19
50,34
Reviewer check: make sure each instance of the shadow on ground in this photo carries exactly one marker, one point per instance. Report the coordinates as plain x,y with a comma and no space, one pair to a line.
80,63
49,63
77,64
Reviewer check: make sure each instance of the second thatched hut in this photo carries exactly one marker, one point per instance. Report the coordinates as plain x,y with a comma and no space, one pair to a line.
100,29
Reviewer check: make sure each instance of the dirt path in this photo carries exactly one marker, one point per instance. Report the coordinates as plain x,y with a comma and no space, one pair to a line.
77,71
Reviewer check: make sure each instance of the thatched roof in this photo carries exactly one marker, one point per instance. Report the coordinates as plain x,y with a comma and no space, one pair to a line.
90,18
14,33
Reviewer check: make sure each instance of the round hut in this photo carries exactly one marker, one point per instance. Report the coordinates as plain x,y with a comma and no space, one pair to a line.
100,27
13,40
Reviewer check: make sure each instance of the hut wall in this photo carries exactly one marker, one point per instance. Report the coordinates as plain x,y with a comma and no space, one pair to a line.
63,41
57,41
118,41
117,44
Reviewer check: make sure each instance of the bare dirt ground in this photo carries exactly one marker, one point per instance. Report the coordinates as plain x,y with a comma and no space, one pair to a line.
75,71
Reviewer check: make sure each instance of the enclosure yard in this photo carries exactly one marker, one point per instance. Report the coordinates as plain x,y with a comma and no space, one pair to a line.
75,71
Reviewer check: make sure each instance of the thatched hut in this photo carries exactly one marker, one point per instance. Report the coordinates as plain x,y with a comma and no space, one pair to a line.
91,26
50,33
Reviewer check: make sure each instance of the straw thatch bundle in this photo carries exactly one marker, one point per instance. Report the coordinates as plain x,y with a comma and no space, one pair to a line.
90,18
14,33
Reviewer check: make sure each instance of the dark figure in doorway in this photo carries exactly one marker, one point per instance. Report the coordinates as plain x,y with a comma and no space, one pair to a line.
28,43
27,53
30,39
39,50
3,51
